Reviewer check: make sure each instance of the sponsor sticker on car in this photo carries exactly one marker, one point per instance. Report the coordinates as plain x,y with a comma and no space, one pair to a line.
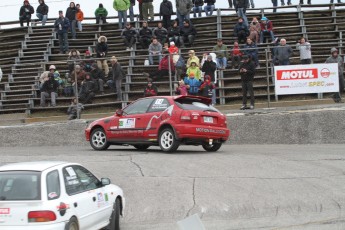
127,123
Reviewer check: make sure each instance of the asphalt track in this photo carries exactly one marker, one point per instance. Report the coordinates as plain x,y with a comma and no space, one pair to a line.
239,187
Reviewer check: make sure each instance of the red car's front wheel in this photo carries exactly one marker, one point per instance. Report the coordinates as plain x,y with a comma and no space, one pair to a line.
98,139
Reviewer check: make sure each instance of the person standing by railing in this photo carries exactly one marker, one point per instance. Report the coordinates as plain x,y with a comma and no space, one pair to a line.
42,12
183,8
336,58
282,53
304,48
301,2
61,26
79,16
71,15
339,1
148,10
25,13
121,6
288,2
101,13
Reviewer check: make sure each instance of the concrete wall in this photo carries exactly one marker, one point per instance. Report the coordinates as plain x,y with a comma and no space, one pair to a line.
279,127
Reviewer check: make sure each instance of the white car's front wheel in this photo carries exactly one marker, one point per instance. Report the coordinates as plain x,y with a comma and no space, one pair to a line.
167,141
115,216
98,139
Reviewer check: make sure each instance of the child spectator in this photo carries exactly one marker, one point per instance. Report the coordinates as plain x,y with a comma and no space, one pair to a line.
206,89
155,50
182,89
145,35
160,33
42,12
166,10
25,13
68,87
150,90
87,90
241,31
254,30
236,55
121,6
80,75
102,50
222,53
192,58
192,84
166,47
71,15
79,16
163,68
101,13
174,33
73,57
87,62
266,29
195,70
197,7
209,8
74,110
129,35
304,48
173,49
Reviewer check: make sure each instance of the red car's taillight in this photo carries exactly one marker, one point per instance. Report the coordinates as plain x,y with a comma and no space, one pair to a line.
41,216
185,116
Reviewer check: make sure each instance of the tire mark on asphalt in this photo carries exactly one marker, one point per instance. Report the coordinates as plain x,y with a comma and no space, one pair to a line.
188,213
137,165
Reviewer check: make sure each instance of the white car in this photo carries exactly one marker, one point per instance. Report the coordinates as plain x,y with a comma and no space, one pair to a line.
57,195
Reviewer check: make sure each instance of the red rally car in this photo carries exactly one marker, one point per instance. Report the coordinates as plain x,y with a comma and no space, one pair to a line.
167,121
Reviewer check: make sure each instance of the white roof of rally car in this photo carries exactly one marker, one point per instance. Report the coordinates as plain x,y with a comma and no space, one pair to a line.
31,166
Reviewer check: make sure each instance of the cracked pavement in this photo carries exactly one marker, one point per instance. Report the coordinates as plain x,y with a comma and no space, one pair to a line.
239,187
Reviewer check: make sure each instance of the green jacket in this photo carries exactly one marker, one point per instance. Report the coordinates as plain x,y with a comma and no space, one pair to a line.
101,11
121,5
221,51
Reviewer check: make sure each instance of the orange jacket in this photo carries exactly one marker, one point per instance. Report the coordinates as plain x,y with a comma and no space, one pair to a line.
79,16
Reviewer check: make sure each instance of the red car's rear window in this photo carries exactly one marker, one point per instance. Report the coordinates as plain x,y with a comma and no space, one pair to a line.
187,103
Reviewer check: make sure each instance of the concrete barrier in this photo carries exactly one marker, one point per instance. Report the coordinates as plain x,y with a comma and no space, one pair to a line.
293,126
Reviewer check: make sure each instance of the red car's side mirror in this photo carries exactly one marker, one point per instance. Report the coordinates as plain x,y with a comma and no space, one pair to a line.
119,112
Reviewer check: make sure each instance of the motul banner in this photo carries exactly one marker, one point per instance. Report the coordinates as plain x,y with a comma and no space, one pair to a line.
302,79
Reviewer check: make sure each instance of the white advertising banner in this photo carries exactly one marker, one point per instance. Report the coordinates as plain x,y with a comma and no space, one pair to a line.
302,79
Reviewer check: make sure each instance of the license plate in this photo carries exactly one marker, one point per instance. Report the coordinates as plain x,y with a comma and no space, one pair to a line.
208,119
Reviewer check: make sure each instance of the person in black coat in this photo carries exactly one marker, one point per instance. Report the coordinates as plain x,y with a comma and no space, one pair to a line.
87,90
241,31
166,10
42,12
174,33
49,89
209,67
187,33
160,33
61,26
129,35
145,35
247,72
70,14
102,51
197,8
115,77
25,13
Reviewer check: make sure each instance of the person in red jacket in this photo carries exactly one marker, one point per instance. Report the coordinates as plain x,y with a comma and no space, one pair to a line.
266,29
150,90
207,88
163,68
236,55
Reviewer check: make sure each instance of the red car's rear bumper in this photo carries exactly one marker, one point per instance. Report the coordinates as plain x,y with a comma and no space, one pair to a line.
201,132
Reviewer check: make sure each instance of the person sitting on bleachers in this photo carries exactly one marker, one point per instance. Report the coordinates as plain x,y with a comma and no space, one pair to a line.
173,49
241,31
174,33
222,53
87,90
42,12
68,86
101,13
98,76
129,35
73,57
254,30
102,50
192,58
163,68
87,62
188,33
251,50
192,84
197,7
145,36
155,50
236,55
160,33
49,89
266,29
25,13
80,75
150,90
209,8
195,70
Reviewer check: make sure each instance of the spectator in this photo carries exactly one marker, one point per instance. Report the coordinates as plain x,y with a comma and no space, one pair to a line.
197,7
102,50
288,2
222,53
68,86
101,13
181,89
180,66
49,89
129,35
275,4
183,8
155,50
87,90
241,6
87,62
193,68
148,13
79,75
160,33
192,58
98,76
209,8
131,10
339,1
79,16
166,10
121,6
116,76
209,67
251,50
192,84
230,3
163,68
173,49
283,53
266,29
74,110
275,44
174,33
150,90
236,55
301,2
42,12
61,25
247,72
145,36
252,4
71,15
304,48
254,30
25,13
187,33
140,9
44,77
207,88
73,57
336,58
241,31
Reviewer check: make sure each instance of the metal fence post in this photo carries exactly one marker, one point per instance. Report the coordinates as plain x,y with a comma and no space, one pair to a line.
219,23
268,79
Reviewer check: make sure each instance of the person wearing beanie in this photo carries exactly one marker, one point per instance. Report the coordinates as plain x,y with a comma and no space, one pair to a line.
25,13
61,26
42,12
336,58
207,88
79,16
209,67
266,29
173,49
151,89
182,89
101,13
241,31
71,15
